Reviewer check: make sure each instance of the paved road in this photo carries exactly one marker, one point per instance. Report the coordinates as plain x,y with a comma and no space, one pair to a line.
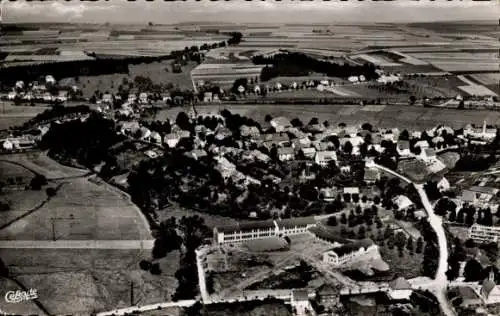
77,244
439,284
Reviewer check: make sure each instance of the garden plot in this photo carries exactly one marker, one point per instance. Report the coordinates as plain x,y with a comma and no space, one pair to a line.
475,89
376,60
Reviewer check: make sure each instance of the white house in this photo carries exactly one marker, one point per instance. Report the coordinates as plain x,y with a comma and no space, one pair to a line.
347,253
423,144
173,139
403,148
12,95
323,157
285,153
8,145
300,301
50,80
309,152
443,184
107,98
490,291
132,98
399,289
351,190
155,137
280,124
402,202
143,97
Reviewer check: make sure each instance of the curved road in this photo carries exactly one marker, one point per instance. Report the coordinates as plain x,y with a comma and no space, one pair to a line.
439,285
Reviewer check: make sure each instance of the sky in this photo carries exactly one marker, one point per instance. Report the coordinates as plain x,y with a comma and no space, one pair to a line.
270,11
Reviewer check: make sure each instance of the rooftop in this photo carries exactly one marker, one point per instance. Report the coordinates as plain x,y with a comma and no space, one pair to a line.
297,221
246,226
400,283
485,190
352,247
300,295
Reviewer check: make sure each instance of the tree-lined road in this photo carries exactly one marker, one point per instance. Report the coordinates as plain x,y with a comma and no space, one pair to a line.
440,283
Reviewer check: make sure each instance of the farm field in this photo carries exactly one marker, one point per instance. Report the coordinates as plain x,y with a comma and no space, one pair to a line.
85,211
400,116
40,163
23,308
155,71
491,78
178,212
81,281
225,73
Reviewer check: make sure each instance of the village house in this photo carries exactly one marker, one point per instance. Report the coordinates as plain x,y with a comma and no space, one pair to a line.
323,146
348,253
399,289
328,194
309,152
155,137
479,195
196,154
299,143
107,98
225,167
143,98
402,202
443,185
222,132
351,190
484,234
327,296
300,301
268,140
285,153
470,299
490,291
7,145
173,139
249,131
403,148
256,155
132,98
280,124
322,158
428,155
423,144
371,176
129,127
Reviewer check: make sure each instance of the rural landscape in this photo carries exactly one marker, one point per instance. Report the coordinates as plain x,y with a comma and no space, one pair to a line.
226,168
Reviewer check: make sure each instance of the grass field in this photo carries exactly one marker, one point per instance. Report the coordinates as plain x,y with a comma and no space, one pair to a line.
13,171
390,116
99,211
23,308
155,71
78,282
42,164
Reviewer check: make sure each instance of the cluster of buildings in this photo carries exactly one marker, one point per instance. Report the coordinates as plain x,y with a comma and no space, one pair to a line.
46,91
481,299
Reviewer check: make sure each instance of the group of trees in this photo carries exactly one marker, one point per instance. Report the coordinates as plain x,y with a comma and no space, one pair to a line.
297,64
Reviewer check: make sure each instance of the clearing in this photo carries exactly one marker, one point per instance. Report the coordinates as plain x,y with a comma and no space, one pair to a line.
83,209
81,281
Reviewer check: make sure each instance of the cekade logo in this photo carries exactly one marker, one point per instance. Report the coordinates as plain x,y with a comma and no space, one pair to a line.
21,296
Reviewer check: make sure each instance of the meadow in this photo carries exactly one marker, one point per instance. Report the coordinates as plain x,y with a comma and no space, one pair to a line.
83,281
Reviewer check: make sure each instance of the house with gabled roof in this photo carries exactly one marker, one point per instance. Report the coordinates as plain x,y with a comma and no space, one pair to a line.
322,158
399,289
403,148
285,153
490,291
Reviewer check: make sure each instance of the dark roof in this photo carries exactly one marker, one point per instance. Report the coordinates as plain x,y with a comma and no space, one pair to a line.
488,286
353,246
371,174
327,289
467,293
297,221
400,283
300,295
486,190
246,226
326,234
403,144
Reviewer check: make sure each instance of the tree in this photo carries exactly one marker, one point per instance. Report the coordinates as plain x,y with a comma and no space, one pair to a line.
155,269
367,127
183,121
50,192
473,271
409,244
314,121
343,219
404,135
145,265
37,182
348,147
332,221
444,206
296,122
362,232
268,118
420,245
452,216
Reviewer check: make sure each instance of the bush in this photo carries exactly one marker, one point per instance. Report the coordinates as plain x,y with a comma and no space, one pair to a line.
145,265
155,269
50,192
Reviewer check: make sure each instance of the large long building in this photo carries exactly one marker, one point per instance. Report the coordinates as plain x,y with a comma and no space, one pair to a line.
481,233
245,231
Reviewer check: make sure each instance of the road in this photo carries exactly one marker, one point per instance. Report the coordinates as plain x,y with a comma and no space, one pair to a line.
77,244
145,308
439,285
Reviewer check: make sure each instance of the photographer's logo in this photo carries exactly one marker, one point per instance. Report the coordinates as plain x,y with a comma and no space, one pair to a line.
21,296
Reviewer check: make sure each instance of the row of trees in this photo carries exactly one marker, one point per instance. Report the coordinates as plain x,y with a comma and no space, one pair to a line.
297,64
